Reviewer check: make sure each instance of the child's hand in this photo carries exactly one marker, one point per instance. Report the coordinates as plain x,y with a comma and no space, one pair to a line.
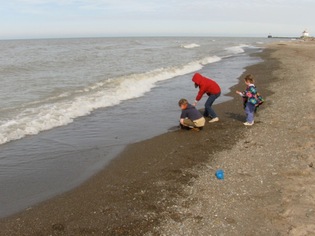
239,93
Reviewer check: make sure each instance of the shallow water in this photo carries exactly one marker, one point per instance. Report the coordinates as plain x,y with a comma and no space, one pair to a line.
40,166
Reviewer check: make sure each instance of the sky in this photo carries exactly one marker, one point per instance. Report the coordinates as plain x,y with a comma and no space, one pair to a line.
111,18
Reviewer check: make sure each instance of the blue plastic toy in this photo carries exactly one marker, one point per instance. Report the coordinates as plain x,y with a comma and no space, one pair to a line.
219,174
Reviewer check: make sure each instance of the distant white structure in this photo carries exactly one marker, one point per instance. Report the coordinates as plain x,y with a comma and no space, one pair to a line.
305,33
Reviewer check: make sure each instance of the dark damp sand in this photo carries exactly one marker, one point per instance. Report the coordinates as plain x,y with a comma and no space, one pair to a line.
166,185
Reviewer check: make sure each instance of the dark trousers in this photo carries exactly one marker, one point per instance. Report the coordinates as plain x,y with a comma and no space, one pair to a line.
208,109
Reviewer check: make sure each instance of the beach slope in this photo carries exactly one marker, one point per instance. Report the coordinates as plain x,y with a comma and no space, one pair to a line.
167,185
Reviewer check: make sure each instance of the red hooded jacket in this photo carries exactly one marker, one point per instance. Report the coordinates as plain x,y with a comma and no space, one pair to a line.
206,85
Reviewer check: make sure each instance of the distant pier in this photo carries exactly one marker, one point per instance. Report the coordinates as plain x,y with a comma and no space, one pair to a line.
282,37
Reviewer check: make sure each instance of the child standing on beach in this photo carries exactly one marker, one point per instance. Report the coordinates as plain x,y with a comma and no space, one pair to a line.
250,99
190,116
212,89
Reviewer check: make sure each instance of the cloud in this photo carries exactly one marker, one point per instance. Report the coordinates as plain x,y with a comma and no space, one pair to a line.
158,16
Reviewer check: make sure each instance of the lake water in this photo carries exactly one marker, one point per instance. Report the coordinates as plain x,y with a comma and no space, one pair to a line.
68,106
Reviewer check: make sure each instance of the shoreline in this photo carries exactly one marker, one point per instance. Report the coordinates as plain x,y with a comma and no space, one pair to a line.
152,186
91,139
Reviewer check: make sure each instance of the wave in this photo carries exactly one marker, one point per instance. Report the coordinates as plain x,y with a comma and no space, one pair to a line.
192,45
62,109
240,48
236,49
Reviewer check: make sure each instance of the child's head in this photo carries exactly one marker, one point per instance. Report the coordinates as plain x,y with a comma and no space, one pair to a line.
183,103
249,79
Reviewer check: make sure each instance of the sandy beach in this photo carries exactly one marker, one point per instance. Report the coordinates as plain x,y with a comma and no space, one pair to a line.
167,185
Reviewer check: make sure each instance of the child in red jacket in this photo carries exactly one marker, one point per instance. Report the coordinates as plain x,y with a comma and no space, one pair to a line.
212,89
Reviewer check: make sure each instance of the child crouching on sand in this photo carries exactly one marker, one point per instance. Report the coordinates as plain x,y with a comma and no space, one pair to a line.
250,99
190,116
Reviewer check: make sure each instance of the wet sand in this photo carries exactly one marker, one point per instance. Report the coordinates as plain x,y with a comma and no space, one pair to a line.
166,185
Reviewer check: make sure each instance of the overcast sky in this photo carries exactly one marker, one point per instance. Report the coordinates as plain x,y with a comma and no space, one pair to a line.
98,18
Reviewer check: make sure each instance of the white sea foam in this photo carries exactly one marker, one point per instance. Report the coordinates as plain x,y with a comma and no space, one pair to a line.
236,49
62,109
192,45
209,60
240,48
